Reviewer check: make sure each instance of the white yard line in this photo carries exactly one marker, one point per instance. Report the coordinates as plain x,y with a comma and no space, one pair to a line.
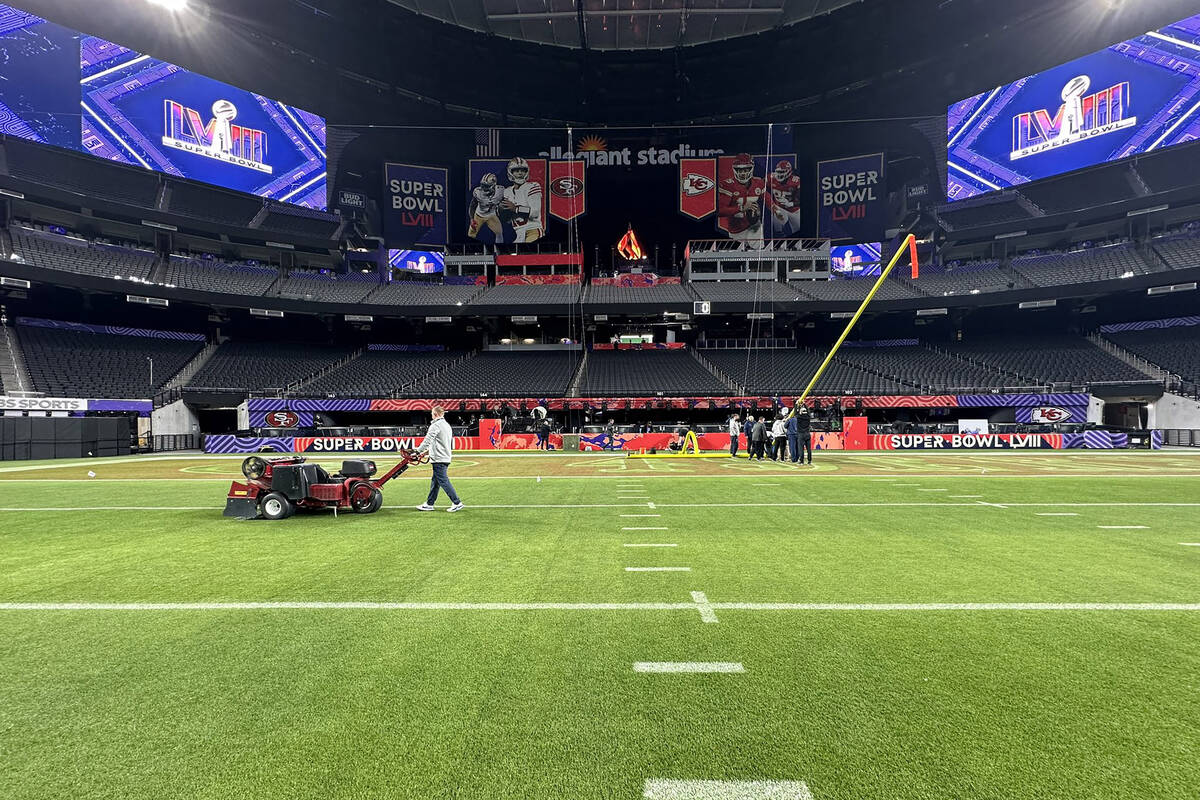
285,605
688,666
656,789
1190,544
1123,527
658,569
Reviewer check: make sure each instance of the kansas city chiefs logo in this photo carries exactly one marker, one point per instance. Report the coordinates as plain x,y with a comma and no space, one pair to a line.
1050,414
694,184
566,187
283,419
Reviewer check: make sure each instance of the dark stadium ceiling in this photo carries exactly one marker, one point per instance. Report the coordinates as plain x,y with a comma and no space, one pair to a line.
622,24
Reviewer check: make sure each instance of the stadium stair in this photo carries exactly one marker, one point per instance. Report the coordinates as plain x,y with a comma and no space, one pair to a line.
577,378
1137,362
14,378
181,378
295,387
258,219
718,374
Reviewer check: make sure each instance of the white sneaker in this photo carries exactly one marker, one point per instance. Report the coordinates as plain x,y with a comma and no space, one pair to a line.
425,507
455,507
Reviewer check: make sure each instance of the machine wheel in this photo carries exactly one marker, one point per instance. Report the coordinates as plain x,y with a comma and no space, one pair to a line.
362,497
275,505
254,467
376,501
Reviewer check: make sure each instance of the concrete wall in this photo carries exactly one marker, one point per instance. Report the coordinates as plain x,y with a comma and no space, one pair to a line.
174,419
1174,411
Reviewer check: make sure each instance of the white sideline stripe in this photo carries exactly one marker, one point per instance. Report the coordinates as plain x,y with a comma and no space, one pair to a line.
909,484
656,789
658,569
643,528
1056,514
933,490
688,666
1124,527
1190,544
706,610
649,544
216,506
295,605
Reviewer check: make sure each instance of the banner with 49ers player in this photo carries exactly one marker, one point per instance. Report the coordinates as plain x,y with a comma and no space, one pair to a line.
506,202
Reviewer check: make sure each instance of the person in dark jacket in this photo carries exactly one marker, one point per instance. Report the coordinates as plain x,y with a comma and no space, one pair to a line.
793,431
803,435
758,435
748,429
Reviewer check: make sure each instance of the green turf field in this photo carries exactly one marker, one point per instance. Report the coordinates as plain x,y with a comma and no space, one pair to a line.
887,626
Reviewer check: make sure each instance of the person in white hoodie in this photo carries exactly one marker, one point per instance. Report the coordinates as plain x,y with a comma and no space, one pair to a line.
439,443
779,439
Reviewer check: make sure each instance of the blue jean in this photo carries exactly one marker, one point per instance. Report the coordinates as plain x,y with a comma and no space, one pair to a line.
733,444
794,447
440,480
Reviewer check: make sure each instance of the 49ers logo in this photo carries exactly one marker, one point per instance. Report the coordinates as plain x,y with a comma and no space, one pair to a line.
282,419
569,186
696,184
1050,414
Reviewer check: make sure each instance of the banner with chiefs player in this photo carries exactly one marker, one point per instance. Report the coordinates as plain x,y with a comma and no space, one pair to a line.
506,202
697,187
567,198
753,207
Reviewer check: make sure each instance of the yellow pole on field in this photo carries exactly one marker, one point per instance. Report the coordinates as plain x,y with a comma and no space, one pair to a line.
910,244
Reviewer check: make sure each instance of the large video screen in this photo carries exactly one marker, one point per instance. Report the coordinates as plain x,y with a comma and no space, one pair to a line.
856,260
72,90
1133,97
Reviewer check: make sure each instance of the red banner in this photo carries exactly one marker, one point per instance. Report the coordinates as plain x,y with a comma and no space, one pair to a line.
537,280
698,187
709,442
567,196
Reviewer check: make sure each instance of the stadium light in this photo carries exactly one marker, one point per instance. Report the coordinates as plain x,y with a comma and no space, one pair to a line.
173,6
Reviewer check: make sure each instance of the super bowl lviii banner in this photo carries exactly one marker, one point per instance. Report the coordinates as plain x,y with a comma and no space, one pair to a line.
415,204
852,198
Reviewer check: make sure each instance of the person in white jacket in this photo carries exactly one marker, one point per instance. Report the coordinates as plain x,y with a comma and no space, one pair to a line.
735,430
439,443
779,440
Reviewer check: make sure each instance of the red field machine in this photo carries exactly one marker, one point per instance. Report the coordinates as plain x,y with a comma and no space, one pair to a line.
276,488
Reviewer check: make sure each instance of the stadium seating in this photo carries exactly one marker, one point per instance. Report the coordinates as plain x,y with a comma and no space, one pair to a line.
213,205
501,373
660,294
218,276
647,372
71,254
68,363
261,366
787,372
856,290
1049,359
1109,184
1176,350
1179,252
413,293
974,216
379,373
81,174
1081,266
328,288
520,295
976,277
745,291
924,368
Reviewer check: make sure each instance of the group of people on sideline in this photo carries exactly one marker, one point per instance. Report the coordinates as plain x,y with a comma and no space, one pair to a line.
787,436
